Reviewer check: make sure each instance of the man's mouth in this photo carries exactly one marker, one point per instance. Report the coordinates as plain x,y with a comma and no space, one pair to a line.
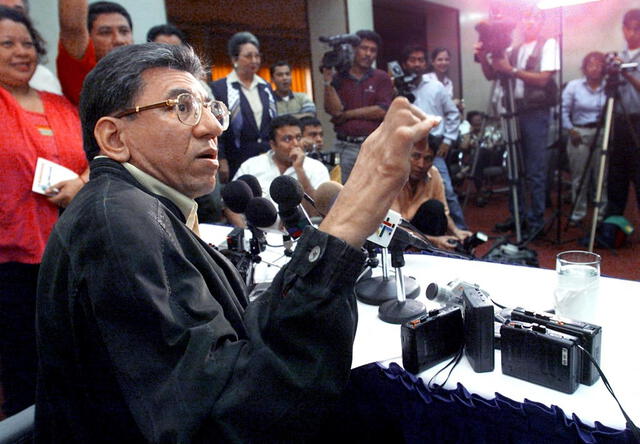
208,154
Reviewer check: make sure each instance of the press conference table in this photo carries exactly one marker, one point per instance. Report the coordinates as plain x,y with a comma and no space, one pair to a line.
618,306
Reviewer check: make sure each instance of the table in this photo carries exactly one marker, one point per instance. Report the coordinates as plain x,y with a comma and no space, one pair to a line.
618,306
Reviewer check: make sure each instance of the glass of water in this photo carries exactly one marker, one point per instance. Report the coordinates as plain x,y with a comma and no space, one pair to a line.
576,294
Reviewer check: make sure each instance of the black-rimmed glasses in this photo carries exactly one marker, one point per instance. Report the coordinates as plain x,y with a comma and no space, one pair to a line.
188,109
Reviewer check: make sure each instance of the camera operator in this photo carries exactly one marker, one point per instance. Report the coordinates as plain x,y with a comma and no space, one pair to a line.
582,102
532,66
357,99
624,163
422,200
432,97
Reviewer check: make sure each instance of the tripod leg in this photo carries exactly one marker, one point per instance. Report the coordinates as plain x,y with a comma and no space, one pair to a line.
601,170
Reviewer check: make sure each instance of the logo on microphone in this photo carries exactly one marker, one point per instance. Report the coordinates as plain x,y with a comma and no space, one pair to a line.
387,227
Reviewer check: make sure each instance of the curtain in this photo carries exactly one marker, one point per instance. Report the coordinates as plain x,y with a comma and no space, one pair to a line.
391,405
299,75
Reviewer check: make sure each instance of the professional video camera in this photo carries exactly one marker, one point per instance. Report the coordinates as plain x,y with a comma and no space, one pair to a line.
341,55
440,333
495,35
613,66
404,83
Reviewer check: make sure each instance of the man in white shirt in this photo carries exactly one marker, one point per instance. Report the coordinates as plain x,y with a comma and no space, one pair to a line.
286,157
531,66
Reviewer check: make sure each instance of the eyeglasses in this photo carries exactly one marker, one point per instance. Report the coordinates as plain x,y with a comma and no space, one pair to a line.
251,55
188,109
289,138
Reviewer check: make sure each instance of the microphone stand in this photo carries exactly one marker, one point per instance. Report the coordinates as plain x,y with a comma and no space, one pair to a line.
371,263
400,309
257,244
379,289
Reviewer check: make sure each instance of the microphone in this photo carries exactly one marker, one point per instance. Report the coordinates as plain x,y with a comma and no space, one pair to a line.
326,195
288,193
262,214
236,196
392,236
253,183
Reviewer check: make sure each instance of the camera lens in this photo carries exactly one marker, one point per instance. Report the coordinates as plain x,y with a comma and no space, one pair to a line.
438,294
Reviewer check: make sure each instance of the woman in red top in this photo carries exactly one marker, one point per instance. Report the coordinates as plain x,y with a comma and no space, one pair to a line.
33,124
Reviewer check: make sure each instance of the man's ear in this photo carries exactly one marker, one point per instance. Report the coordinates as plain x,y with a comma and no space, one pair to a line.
110,137
272,144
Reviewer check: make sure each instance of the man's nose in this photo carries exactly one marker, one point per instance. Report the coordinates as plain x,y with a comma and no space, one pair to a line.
119,39
209,125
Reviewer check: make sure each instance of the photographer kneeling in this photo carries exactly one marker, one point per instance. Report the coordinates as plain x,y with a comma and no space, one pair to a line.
422,200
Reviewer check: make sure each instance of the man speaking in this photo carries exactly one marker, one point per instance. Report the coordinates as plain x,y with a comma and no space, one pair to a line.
144,332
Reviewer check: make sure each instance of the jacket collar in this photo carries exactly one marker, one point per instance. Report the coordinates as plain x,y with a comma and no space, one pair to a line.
103,167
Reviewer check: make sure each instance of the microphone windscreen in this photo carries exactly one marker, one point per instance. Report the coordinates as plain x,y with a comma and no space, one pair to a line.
236,196
286,191
261,212
326,195
253,183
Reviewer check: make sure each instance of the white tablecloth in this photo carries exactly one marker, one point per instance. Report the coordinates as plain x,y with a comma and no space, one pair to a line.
618,310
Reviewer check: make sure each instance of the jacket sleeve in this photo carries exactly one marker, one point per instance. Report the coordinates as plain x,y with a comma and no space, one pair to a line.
192,365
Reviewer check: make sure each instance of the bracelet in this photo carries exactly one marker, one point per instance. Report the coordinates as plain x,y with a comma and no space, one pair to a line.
514,72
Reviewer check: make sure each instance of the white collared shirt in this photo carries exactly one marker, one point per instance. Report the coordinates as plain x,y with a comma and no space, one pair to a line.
446,82
265,170
252,94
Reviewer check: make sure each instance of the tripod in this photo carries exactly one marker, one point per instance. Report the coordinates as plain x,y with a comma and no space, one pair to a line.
604,123
509,123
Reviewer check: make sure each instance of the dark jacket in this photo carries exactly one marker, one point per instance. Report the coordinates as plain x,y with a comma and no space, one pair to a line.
243,139
145,334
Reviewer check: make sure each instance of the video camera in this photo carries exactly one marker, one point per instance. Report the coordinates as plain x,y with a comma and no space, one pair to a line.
613,67
469,243
495,35
404,83
341,55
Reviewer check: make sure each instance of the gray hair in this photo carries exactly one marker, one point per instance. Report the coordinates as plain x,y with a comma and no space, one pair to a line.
238,39
116,81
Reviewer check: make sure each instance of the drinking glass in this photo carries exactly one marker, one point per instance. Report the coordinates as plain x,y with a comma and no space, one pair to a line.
576,294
